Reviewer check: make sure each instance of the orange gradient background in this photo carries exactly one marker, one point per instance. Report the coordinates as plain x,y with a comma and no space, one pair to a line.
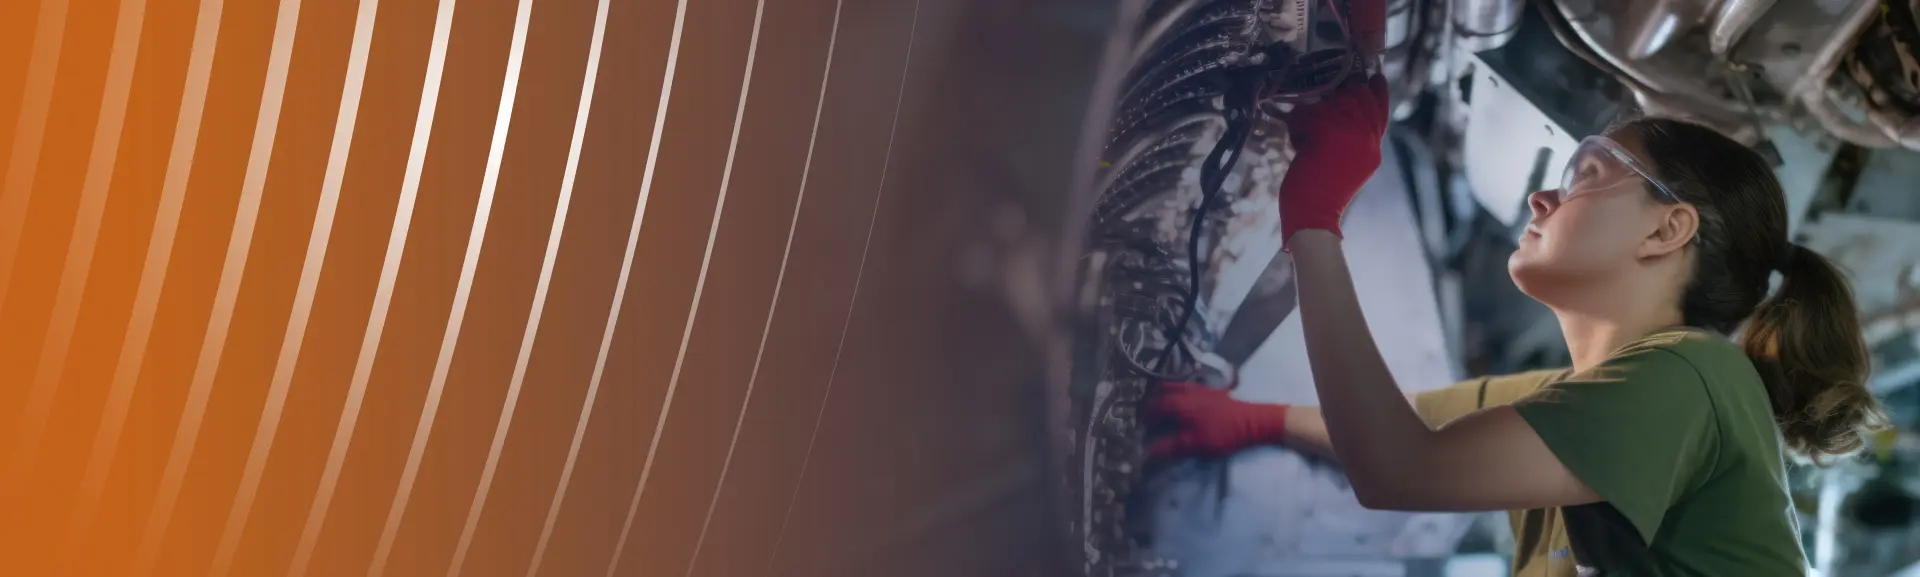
237,338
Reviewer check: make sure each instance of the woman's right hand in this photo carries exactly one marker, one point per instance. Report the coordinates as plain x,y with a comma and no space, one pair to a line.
1210,423
1336,145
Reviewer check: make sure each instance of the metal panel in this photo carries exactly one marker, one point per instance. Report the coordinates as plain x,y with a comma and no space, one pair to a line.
1512,147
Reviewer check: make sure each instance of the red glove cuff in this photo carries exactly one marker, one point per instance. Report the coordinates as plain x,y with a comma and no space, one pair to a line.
1262,424
1288,227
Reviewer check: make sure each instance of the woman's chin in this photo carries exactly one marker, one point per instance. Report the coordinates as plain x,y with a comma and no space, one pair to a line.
1543,278
1527,269
1527,258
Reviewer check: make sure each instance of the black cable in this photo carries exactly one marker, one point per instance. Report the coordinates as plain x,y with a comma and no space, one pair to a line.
1213,175
1240,100
1245,86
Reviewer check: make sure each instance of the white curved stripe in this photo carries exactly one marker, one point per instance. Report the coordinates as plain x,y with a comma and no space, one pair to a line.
80,246
554,234
779,280
29,132
382,296
187,434
699,285
153,274
316,257
619,293
503,119
854,299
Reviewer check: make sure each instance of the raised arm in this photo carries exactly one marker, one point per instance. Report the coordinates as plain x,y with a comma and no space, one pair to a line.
1489,460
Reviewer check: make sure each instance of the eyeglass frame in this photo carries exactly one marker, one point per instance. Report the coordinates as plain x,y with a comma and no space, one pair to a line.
1619,153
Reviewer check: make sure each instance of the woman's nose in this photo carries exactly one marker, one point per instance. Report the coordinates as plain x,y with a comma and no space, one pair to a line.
1543,202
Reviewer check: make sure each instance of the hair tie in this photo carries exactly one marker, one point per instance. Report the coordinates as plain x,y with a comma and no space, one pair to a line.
1785,260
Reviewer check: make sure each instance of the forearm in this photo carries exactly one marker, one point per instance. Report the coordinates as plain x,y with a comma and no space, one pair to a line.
1307,432
1372,428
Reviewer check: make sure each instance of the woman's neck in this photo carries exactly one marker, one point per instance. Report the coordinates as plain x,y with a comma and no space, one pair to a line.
1591,337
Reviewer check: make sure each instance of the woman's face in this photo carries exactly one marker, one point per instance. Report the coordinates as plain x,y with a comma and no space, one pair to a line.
1593,225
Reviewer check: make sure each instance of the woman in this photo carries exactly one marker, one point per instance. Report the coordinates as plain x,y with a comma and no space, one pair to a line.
1662,450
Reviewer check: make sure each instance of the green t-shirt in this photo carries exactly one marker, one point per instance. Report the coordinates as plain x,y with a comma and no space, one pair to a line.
1676,433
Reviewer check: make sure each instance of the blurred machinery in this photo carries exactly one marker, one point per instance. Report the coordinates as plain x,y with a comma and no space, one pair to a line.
1181,279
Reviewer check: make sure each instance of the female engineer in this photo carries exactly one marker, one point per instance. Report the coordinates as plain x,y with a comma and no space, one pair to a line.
1662,450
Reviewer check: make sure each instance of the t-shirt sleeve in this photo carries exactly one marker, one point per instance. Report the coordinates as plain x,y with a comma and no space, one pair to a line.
1639,430
1441,406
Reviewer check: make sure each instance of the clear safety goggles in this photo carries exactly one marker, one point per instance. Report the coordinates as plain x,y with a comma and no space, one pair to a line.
1600,164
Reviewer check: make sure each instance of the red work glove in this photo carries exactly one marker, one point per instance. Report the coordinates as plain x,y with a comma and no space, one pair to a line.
1212,424
1336,144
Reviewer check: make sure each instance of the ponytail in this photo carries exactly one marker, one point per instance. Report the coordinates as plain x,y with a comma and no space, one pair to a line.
1806,341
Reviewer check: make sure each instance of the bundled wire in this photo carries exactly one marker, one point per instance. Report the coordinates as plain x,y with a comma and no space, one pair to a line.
1213,175
1247,88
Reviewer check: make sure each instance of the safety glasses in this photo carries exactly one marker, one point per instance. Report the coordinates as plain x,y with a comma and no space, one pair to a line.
1600,164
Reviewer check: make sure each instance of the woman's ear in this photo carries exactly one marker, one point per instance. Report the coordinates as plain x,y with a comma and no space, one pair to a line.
1676,228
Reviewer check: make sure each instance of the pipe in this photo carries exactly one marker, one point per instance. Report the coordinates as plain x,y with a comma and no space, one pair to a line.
1737,127
1827,60
1808,89
1880,129
1902,130
1582,45
1837,122
1486,25
1734,19
1646,32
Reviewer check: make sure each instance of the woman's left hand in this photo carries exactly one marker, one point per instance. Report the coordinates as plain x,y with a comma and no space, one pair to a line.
1211,423
1336,144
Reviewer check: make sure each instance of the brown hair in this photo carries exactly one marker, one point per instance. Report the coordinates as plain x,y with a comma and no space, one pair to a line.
1805,340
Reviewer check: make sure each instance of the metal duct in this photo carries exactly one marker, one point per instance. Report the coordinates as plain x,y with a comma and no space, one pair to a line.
1811,89
1732,21
1485,25
1651,27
